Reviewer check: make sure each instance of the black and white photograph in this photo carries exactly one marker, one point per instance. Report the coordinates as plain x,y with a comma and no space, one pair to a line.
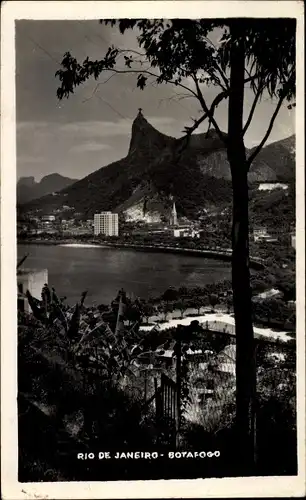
156,297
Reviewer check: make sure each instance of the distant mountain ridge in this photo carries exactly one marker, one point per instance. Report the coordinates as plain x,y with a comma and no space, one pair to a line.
149,175
28,189
280,157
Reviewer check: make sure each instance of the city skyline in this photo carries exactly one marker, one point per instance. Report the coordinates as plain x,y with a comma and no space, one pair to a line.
92,129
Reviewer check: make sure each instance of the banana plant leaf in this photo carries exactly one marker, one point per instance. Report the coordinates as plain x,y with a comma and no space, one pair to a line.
74,325
37,311
22,260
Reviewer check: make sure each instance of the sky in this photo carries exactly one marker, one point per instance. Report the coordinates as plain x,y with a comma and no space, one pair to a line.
92,128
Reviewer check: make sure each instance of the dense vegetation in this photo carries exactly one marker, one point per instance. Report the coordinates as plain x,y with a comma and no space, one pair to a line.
73,394
274,210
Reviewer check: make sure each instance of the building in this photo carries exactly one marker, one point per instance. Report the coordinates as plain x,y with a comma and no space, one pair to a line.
226,360
269,294
270,186
48,218
106,223
32,280
89,223
186,232
46,227
262,235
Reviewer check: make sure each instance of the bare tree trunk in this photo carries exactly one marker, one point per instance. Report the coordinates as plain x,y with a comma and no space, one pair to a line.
245,364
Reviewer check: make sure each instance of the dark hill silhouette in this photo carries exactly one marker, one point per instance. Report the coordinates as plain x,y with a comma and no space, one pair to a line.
28,189
280,156
199,178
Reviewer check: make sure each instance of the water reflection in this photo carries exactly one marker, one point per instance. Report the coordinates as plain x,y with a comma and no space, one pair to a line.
103,271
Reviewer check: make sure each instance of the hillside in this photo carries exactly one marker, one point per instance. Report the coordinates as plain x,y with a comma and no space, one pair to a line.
150,174
28,189
274,209
280,156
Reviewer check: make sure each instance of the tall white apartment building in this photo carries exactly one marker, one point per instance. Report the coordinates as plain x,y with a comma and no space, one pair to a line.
106,223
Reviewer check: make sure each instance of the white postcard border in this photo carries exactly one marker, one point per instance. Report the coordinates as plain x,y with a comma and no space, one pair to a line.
210,488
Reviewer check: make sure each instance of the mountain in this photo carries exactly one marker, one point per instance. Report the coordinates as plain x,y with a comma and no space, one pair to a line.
149,176
280,156
28,189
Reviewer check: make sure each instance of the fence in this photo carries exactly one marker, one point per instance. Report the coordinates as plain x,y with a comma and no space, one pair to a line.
167,401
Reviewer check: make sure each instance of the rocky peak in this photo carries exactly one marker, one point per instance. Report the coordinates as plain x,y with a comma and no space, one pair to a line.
26,181
198,177
145,137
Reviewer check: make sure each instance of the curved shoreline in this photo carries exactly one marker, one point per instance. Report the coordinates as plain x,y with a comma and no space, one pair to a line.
224,255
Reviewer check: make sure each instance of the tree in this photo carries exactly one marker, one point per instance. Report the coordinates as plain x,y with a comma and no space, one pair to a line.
287,286
147,310
182,291
181,306
132,314
197,303
229,305
170,295
259,53
213,300
164,308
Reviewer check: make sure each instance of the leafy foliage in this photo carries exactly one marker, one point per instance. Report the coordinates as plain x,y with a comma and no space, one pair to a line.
180,48
74,396
274,210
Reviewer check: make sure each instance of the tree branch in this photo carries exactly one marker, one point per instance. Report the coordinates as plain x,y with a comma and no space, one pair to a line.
252,78
149,73
208,128
260,146
221,72
131,51
74,74
216,79
210,112
96,88
252,110
189,130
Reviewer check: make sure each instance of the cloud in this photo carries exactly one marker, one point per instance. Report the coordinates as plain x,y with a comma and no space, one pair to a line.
97,128
81,129
108,128
89,146
160,120
32,126
31,159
